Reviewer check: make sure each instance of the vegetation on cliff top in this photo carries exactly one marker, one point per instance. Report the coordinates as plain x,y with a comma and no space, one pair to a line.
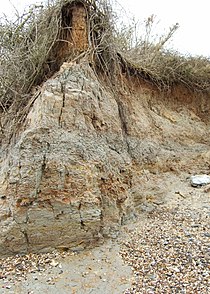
34,45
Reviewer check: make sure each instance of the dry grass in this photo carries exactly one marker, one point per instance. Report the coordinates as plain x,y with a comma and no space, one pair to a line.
146,55
34,45
25,45
31,47
167,68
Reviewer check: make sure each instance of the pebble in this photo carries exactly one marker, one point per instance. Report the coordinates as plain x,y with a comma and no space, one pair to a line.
163,257
7,286
54,263
207,235
17,267
200,180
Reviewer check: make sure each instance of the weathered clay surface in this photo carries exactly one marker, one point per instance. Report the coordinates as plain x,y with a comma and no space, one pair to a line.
87,159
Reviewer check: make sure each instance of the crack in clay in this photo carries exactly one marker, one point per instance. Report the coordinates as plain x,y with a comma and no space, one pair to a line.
23,231
26,238
43,163
63,91
101,215
123,123
82,224
52,208
39,176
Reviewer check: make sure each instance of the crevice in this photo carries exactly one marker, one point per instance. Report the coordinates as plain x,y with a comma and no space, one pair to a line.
102,215
57,216
82,224
124,127
63,91
39,176
18,180
122,117
43,164
19,169
22,229
25,234
52,208
114,149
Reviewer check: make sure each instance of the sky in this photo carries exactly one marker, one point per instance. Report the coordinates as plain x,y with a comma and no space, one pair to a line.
192,16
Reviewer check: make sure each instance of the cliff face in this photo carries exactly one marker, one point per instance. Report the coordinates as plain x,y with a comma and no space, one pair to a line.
86,159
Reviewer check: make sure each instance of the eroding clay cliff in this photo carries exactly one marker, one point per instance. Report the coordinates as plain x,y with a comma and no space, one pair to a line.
97,144
67,179
86,159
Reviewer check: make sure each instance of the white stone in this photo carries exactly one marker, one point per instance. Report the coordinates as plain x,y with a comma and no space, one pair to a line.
200,180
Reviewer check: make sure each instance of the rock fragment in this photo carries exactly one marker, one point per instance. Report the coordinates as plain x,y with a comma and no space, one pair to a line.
199,180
